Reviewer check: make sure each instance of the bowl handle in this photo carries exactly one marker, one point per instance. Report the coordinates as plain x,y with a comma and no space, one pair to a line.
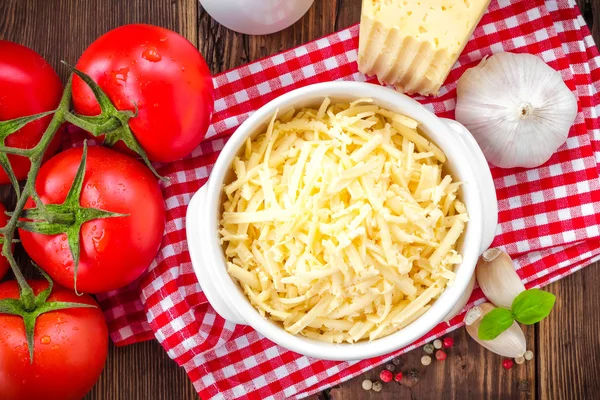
202,259
484,181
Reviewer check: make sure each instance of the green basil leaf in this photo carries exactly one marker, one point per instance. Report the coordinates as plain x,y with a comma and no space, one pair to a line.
494,323
532,306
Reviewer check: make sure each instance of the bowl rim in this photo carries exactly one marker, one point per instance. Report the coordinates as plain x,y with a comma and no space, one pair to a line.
445,138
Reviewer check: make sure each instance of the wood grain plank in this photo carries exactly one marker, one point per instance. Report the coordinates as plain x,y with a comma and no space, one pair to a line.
594,20
569,343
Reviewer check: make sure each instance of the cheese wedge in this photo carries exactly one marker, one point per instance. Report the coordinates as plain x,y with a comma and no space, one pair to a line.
412,44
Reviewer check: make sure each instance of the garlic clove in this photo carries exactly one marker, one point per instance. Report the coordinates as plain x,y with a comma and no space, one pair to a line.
517,107
497,278
510,343
462,301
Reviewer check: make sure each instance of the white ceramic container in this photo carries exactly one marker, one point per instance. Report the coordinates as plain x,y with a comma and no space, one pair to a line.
464,160
256,17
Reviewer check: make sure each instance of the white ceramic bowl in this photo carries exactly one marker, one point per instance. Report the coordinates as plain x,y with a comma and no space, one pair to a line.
465,162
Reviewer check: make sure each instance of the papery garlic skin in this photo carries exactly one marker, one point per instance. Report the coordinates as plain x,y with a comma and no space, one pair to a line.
517,107
510,343
462,301
497,278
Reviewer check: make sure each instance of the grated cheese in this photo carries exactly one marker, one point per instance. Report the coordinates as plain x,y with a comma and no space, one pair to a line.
340,223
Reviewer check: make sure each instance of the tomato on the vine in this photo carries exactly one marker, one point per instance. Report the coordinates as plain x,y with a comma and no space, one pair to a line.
28,86
159,72
3,261
70,348
113,251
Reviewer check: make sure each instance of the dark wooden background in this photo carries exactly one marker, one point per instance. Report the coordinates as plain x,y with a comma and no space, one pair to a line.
566,345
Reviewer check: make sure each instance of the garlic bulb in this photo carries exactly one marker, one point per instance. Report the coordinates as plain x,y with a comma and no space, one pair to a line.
517,107
497,278
510,343
462,301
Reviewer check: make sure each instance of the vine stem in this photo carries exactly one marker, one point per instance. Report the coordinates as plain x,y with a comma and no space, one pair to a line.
16,151
69,216
111,123
36,157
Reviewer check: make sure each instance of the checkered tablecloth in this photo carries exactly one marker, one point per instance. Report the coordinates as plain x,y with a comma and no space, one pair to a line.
549,216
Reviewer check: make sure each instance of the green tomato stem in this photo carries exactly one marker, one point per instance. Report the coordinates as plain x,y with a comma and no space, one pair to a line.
16,151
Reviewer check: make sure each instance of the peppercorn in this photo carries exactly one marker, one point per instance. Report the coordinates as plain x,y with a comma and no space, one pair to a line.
426,360
377,386
529,355
428,348
507,363
437,344
448,342
390,367
414,374
367,384
520,360
398,377
396,361
441,355
411,378
386,376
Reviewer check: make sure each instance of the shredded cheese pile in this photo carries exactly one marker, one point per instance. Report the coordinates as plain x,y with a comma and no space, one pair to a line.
341,224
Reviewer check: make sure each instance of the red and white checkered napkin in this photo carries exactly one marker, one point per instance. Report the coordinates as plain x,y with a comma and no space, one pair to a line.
549,216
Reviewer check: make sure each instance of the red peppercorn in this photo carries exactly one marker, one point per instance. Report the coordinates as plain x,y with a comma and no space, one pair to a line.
386,376
398,377
507,363
440,355
448,342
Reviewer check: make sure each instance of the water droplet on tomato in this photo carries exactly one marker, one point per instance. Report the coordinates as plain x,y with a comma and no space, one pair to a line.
99,244
121,74
98,238
151,54
45,339
182,68
163,39
155,104
55,347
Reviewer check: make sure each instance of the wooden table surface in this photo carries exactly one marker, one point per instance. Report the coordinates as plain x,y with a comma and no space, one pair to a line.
566,345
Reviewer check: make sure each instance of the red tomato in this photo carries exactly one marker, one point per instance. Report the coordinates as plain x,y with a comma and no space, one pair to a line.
69,352
114,251
3,261
28,86
163,74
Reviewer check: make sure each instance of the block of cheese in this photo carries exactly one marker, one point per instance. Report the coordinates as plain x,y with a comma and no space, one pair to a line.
412,44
